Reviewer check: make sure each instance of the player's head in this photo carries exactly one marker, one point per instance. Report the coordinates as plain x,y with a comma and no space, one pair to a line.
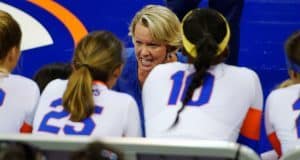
292,50
97,57
155,31
10,40
51,71
97,151
163,25
205,36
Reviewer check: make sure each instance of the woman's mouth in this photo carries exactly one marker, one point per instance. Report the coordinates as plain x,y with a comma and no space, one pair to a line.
146,64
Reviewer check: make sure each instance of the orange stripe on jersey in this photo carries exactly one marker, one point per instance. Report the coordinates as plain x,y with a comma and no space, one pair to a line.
26,128
251,124
275,142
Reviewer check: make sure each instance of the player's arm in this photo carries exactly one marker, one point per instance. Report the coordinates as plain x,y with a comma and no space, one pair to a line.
133,122
250,130
273,139
269,155
32,103
275,143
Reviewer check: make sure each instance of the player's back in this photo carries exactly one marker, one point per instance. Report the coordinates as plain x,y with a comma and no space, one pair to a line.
115,114
18,99
282,116
217,109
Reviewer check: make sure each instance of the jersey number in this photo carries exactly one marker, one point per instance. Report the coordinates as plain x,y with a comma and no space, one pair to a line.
296,106
2,95
179,84
88,123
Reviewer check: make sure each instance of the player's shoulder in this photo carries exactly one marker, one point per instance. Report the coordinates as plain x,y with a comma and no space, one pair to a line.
120,96
23,82
241,74
240,70
279,93
169,67
273,95
56,84
122,101
278,99
172,65
19,78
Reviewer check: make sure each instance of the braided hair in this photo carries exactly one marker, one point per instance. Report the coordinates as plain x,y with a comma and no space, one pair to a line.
205,34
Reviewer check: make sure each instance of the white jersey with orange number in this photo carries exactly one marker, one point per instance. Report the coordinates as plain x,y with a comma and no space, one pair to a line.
115,114
217,109
282,119
18,100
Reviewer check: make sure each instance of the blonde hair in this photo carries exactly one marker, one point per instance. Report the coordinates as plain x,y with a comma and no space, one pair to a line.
162,23
96,56
285,83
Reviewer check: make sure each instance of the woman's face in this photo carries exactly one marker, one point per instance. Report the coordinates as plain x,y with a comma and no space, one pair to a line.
149,53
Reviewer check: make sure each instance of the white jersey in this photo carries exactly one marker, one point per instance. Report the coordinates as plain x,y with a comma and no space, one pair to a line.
116,114
282,117
18,100
217,109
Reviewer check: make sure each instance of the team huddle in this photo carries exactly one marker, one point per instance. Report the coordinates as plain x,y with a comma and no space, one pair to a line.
175,83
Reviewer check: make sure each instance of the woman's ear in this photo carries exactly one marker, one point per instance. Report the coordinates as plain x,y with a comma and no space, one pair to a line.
13,57
171,57
172,50
115,75
171,54
117,72
14,54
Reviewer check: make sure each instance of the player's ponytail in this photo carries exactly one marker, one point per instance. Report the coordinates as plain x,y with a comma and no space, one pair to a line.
78,98
204,41
96,57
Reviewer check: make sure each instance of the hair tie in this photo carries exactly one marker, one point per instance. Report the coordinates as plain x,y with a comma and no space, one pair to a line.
84,65
191,48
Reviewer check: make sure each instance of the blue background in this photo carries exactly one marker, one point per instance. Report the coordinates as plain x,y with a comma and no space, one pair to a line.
265,26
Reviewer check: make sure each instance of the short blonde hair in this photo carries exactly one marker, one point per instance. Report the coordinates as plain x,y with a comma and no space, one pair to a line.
163,24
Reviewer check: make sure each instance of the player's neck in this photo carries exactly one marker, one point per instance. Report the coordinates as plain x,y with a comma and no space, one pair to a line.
4,71
5,66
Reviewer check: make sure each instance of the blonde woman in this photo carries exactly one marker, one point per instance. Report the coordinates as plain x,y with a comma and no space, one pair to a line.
155,32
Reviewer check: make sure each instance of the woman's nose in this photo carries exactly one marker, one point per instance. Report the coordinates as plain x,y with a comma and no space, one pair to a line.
144,50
